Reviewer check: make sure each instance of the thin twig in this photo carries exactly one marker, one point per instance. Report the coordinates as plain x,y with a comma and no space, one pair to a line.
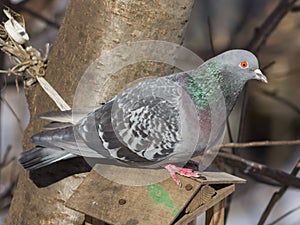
242,123
265,180
281,100
210,35
230,136
40,17
22,7
296,8
256,169
284,215
246,11
269,25
268,65
277,195
260,144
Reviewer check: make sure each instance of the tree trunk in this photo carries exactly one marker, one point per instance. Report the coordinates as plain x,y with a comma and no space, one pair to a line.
89,27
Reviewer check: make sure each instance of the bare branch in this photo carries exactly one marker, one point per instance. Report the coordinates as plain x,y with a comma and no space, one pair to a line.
284,215
264,31
296,8
276,196
268,65
22,7
281,100
40,17
256,169
259,144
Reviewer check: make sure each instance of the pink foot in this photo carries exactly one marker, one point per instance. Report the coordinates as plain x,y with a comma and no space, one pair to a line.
186,172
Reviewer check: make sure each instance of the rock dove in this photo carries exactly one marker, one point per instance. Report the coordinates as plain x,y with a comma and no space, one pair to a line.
157,122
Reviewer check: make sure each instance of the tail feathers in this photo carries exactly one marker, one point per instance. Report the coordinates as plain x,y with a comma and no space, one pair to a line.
40,157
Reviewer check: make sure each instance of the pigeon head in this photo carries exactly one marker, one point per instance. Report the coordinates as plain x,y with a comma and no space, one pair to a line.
240,66
227,72
236,67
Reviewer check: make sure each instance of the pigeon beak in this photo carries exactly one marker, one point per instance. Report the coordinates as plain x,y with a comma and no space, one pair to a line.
259,76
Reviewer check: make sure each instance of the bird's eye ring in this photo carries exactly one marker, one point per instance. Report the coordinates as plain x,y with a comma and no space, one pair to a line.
244,65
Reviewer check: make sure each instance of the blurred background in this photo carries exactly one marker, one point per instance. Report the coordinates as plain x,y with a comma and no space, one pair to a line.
228,24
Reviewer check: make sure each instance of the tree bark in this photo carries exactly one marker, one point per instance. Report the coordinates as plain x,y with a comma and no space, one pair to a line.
89,27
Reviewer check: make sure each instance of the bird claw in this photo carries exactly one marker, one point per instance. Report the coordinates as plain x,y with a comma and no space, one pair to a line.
186,172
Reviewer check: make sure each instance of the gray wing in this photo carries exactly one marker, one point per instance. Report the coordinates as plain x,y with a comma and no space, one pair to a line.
146,133
150,123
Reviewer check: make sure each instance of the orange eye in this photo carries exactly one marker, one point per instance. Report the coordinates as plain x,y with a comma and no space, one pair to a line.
244,64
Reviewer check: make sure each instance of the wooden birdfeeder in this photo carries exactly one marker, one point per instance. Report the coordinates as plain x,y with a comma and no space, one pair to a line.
106,202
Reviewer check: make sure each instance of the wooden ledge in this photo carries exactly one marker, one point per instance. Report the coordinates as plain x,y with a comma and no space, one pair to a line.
161,203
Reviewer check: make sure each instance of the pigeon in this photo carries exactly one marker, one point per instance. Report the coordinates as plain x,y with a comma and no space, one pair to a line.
160,122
